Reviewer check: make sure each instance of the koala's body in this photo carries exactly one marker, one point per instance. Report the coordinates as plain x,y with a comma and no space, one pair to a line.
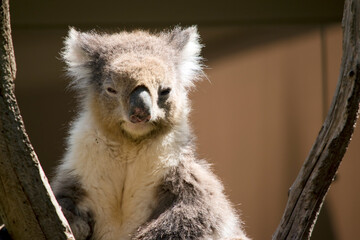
130,170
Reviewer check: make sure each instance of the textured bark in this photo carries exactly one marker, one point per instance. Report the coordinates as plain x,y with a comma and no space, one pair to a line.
27,205
311,185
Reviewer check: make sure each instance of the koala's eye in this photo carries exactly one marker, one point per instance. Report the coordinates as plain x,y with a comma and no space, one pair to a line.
165,92
111,90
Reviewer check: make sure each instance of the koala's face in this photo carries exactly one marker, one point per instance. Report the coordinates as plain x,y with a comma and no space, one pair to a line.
135,84
139,95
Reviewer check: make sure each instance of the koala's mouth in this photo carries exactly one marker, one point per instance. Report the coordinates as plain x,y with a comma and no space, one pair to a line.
140,126
138,129
142,130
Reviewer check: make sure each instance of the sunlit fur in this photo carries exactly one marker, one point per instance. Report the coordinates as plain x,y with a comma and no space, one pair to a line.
120,180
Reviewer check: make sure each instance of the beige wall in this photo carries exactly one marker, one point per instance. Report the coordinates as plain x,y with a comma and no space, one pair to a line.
256,118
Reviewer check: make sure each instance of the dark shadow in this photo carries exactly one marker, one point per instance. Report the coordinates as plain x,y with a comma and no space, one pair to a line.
220,42
324,228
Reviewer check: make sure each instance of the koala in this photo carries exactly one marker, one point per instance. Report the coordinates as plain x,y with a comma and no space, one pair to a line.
130,170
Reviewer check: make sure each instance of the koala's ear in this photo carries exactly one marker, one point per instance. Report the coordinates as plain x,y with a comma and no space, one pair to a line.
77,54
186,43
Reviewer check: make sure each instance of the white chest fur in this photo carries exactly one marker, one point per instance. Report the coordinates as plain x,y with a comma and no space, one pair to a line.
120,181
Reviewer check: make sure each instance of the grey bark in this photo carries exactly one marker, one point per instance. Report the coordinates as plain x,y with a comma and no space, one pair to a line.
311,185
27,204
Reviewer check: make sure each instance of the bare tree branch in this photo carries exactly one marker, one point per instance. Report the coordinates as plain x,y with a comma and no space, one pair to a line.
27,205
311,185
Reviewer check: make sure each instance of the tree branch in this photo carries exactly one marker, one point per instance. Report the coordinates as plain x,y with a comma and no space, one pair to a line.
311,185
27,204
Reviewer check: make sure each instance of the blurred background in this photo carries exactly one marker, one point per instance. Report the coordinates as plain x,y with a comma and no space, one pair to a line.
272,68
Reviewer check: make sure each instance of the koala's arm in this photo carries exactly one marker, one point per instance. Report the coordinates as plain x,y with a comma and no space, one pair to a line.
68,193
186,209
175,223
175,218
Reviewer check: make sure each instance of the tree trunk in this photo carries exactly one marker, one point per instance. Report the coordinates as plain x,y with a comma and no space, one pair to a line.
311,185
27,204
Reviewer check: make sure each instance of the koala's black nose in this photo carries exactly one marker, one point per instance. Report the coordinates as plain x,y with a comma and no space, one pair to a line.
140,105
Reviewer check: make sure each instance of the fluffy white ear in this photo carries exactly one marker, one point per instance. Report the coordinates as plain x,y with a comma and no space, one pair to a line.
75,55
186,42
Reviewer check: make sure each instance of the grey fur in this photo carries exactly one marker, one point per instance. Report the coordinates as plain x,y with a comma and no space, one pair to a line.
182,212
184,200
100,50
179,37
69,193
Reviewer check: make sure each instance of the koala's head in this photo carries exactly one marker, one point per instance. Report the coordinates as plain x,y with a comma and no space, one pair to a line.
135,84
